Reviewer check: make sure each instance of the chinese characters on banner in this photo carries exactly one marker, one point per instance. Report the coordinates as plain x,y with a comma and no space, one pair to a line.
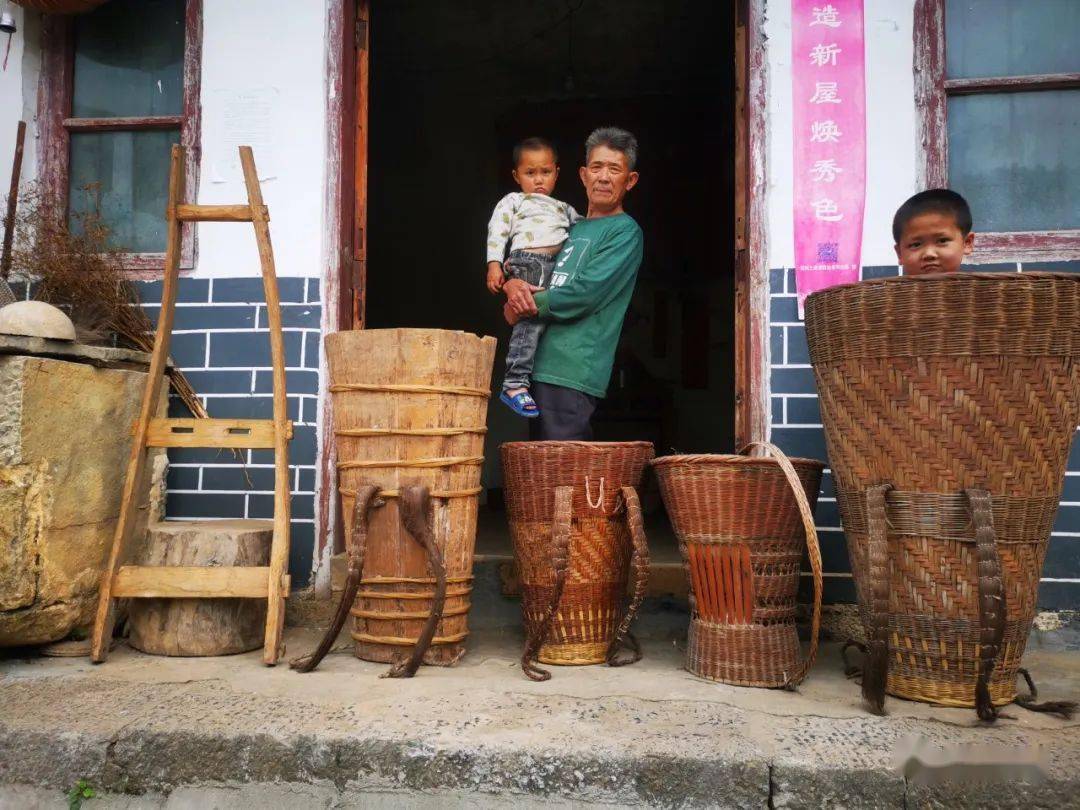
830,142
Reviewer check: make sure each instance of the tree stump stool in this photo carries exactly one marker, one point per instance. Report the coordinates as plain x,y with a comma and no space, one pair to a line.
190,627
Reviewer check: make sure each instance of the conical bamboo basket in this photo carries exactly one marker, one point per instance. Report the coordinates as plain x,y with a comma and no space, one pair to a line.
743,524
949,403
576,525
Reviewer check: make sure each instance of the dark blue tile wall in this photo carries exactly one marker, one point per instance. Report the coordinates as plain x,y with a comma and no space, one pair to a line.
222,344
796,427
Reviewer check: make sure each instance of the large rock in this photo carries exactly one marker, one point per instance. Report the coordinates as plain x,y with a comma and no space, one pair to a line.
65,435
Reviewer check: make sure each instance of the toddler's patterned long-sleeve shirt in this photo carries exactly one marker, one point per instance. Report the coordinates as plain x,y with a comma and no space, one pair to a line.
528,221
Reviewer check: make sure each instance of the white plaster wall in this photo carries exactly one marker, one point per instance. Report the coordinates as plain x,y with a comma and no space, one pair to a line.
890,127
12,103
263,83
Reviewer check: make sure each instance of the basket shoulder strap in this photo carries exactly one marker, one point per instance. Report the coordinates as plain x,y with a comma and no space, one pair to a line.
639,564
365,500
876,668
414,511
992,611
560,561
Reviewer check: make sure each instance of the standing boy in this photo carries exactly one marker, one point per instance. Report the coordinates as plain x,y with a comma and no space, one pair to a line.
534,225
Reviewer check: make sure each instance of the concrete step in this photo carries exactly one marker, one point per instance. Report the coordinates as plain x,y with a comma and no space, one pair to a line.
229,732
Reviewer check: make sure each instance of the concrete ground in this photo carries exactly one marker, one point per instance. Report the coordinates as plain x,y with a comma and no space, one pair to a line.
150,732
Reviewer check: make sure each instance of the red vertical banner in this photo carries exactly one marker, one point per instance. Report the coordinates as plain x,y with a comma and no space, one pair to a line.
829,99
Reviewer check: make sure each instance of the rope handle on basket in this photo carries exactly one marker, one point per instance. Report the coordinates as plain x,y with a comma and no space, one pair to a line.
365,500
588,493
813,550
992,610
537,636
639,562
414,510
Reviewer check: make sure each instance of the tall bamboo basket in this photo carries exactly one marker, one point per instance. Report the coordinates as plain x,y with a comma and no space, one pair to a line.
949,405
410,407
576,525
743,523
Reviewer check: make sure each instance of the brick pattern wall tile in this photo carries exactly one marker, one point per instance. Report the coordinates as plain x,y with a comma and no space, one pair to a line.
221,341
796,427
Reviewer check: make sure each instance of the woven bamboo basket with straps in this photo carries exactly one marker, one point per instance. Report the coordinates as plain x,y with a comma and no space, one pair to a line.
410,407
949,405
743,523
576,524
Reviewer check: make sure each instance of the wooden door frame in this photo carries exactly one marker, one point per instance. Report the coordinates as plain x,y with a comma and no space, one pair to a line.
343,275
338,210
751,236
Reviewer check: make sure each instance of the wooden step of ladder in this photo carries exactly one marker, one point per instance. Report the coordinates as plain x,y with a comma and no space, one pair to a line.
123,581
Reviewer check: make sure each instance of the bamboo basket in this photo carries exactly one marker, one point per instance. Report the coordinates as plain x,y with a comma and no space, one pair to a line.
742,524
949,404
410,408
576,525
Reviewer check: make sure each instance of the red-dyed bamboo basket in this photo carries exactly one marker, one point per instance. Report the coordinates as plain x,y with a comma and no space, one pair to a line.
743,523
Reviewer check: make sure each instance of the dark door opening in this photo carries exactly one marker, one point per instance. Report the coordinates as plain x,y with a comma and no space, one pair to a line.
454,85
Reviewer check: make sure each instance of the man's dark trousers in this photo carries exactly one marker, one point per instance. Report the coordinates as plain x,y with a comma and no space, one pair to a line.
565,414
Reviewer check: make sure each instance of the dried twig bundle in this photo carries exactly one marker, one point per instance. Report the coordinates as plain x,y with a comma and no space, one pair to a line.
77,268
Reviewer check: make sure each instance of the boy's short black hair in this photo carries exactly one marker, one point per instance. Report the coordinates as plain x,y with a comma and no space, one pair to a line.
933,201
534,144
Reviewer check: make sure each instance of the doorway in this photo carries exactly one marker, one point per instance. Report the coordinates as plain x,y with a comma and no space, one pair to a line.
452,87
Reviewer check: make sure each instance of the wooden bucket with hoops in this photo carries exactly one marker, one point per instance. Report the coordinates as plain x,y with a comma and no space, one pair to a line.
576,525
410,408
949,404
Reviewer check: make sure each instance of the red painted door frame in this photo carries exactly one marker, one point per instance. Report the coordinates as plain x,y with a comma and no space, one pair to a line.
345,281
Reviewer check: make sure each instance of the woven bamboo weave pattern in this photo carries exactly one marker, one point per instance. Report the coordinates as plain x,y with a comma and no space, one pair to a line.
410,409
937,385
591,606
742,535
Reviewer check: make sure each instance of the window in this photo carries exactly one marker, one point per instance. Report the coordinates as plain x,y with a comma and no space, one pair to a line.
120,86
998,88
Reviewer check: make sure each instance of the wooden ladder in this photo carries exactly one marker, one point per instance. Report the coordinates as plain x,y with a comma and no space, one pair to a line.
121,581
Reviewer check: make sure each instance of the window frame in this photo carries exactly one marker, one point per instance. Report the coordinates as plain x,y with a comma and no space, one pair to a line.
932,91
55,93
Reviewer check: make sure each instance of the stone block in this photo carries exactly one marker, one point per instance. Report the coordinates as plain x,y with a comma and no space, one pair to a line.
65,437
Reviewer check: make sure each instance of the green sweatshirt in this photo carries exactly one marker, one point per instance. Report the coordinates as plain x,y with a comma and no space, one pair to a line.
584,307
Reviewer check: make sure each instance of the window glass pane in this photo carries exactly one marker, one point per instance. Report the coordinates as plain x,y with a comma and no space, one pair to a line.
129,59
126,174
1015,157
1011,38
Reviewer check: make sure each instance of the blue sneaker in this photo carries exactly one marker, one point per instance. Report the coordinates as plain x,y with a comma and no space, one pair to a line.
522,404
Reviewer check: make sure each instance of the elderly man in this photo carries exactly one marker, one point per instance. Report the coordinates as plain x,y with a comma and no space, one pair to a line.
590,290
